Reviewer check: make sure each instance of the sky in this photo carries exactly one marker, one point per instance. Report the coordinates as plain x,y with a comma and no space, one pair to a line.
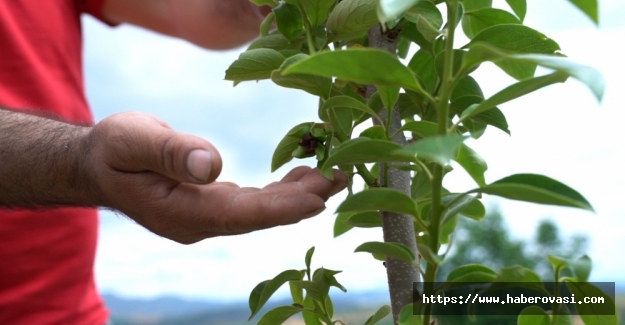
560,131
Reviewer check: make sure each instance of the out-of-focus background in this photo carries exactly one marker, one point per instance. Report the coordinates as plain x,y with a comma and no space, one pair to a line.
560,131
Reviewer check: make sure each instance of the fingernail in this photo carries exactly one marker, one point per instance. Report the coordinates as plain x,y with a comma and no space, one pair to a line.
199,164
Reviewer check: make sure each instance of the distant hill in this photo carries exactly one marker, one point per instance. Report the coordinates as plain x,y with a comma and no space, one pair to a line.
352,308
171,310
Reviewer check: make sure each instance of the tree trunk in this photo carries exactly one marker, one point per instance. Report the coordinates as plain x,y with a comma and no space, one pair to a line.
397,228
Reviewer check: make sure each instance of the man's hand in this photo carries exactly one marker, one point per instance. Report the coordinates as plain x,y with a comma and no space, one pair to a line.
164,180
212,24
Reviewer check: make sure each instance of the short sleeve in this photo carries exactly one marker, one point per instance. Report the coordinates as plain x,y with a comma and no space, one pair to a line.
94,8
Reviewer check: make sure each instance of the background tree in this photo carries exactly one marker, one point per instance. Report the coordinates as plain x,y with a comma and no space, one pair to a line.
490,243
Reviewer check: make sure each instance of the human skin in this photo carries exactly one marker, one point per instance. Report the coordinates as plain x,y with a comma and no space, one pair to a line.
136,164
211,24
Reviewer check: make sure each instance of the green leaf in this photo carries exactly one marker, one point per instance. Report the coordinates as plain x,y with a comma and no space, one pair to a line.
264,2
518,273
422,64
439,62
410,32
375,132
592,314
375,102
273,41
317,10
466,86
351,19
590,8
420,186
282,154
425,28
315,85
310,317
408,317
447,229
364,150
563,317
426,252
255,64
278,315
388,95
319,287
351,103
403,47
492,116
369,219
472,273
360,65
409,107
342,121
474,210
516,39
333,282
379,315
475,128
440,149
321,282
581,268
519,7
379,199
423,129
389,249
312,290
589,76
265,26
308,259
537,189
514,91
533,315
329,306
393,9
289,20
470,5
270,287
558,263
255,296
468,206
476,21
428,11
340,227
296,294
517,276
472,163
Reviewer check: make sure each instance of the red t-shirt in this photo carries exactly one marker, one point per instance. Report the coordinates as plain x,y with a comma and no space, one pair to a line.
46,256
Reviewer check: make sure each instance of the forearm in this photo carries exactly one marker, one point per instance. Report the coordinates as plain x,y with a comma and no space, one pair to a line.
212,24
216,24
43,162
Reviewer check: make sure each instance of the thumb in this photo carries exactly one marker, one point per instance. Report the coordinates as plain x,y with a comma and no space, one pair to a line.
145,143
185,158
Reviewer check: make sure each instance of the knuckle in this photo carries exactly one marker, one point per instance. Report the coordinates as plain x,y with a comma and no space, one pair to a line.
168,152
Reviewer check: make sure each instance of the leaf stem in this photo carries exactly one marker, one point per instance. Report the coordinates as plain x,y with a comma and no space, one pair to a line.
366,175
437,181
312,49
425,168
457,198
418,266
